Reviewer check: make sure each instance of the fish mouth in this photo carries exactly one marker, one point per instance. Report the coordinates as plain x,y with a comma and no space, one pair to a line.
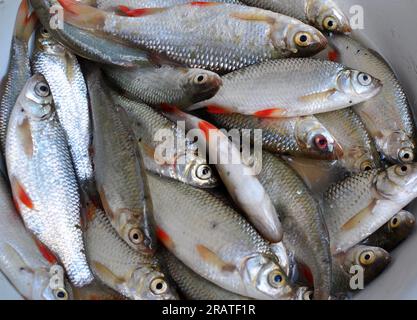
347,29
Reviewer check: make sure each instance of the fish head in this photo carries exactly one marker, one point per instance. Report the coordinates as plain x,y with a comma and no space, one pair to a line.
300,39
137,237
358,159
201,84
355,83
303,293
148,283
51,284
373,260
398,183
314,137
198,172
262,273
402,223
44,42
397,146
327,16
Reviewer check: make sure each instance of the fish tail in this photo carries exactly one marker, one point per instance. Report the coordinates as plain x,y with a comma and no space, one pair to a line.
25,22
83,16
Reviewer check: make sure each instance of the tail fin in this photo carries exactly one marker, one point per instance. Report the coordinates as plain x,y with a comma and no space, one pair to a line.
25,22
83,16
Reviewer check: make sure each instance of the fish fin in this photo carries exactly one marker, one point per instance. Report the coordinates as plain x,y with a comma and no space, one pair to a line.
20,194
105,203
164,238
25,22
271,113
203,3
212,258
318,96
12,254
205,127
306,273
25,134
46,253
139,12
83,16
214,109
333,55
256,17
358,218
106,273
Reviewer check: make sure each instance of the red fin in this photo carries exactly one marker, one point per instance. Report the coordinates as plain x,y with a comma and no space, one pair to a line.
168,107
333,55
306,273
140,12
25,22
212,258
206,127
20,194
46,253
270,113
164,238
203,3
83,16
216,109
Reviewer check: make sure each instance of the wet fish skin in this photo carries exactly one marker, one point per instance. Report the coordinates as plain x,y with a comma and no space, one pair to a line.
359,150
96,291
184,165
390,235
362,203
210,46
290,88
323,14
387,116
114,4
89,45
119,169
298,136
18,71
305,233
213,240
43,180
165,84
117,265
61,70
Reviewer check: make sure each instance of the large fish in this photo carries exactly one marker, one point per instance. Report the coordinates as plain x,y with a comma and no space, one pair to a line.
290,88
43,180
66,82
215,36
387,116
213,240
18,71
28,265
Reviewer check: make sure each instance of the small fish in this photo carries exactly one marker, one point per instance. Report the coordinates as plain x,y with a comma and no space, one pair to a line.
116,264
215,241
181,163
387,116
43,180
239,178
18,71
172,85
390,235
119,170
299,136
290,88
323,14
362,203
224,37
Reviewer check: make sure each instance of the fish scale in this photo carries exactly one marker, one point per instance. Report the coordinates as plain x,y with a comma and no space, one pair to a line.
111,4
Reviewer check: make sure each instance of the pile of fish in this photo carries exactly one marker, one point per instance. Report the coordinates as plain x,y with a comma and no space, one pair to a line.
92,209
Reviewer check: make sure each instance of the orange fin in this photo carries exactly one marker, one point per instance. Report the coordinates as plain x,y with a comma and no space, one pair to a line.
320,96
270,113
26,137
333,55
358,218
25,22
164,238
20,194
212,258
46,253
83,16
213,109
107,275
140,12
206,127
203,3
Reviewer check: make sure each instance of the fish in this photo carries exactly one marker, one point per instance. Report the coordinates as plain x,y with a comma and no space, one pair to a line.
26,263
371,260
236,173
325,15
166,84
193,286
359,150
362,203
114,4
291,87
43,180
116,264
180,162
89,45
302,137
387,116
119,170
96,291
18,71
63,73
224,37
305,233
215,241
390,235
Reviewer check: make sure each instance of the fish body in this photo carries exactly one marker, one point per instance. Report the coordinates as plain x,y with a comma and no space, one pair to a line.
291,88
218,36
117,265
43,180
387,116
96,291
114,4
66,81
119,170
214,241
165,85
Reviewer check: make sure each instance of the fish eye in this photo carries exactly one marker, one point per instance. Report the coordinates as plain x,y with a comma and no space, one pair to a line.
45,33
200,78
61,294
401,170
308,295
406,155
42,89
330,23
366,166
367,257
158,286
320,141
364,79
203,172
394,222
303,39
135,236
276,279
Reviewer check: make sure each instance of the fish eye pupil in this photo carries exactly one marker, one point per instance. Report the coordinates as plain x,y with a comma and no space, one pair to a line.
135,236
394,221
61,294
330,23
43,88
200,78
367,256
303,38
365,77
159,286
403,168
277,278
406,156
